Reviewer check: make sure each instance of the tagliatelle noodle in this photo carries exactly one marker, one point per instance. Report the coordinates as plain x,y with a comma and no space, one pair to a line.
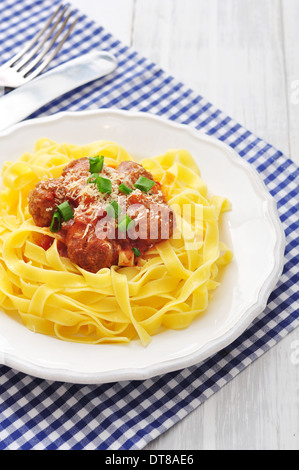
169,288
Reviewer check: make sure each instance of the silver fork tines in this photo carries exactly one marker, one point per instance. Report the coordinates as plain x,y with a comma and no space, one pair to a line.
29,62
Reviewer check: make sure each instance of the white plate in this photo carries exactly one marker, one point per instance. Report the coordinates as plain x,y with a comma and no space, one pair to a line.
252,230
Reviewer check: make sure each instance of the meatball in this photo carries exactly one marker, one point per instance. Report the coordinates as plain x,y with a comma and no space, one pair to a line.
151,225
79,166
93,238
88,251
133,170
43,200
154,219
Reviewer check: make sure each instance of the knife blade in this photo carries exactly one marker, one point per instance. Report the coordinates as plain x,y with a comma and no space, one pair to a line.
20,103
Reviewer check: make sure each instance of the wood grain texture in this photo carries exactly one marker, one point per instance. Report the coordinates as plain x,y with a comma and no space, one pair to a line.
230,51
117,16
242,56
290,15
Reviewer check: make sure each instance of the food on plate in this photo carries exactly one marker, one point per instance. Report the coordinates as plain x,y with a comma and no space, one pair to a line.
96,247
103,216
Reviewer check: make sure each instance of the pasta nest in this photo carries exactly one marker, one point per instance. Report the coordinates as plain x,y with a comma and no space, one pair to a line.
168,289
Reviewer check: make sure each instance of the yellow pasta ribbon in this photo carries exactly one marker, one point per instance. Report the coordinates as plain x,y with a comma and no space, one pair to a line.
169,288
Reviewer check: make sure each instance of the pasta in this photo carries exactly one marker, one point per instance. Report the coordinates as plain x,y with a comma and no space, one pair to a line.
169,288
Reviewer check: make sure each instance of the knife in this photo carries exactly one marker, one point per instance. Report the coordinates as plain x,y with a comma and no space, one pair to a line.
23,101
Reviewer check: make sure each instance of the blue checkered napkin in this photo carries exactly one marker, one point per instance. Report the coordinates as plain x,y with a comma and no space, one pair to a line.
38,414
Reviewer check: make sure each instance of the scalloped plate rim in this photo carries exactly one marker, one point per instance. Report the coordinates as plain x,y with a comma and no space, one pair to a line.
213,346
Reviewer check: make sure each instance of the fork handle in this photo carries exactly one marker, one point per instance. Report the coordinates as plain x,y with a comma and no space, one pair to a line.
22,102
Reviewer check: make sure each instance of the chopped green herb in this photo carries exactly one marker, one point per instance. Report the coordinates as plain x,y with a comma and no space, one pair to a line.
56,222
136,252
113,209
96,164
65,211
93,178
124,223
125,189
144,184
104,185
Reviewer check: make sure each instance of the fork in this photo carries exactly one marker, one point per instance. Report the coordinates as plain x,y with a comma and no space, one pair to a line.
30,61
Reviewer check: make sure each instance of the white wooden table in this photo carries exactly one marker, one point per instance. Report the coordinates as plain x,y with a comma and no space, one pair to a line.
243,56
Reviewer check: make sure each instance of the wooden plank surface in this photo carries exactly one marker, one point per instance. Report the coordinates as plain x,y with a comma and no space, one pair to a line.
290,15
242,56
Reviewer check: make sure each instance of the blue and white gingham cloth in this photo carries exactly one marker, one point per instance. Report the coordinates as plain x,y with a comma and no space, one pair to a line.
38,414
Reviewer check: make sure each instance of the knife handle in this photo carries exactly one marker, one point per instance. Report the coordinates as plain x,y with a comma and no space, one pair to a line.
22,102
